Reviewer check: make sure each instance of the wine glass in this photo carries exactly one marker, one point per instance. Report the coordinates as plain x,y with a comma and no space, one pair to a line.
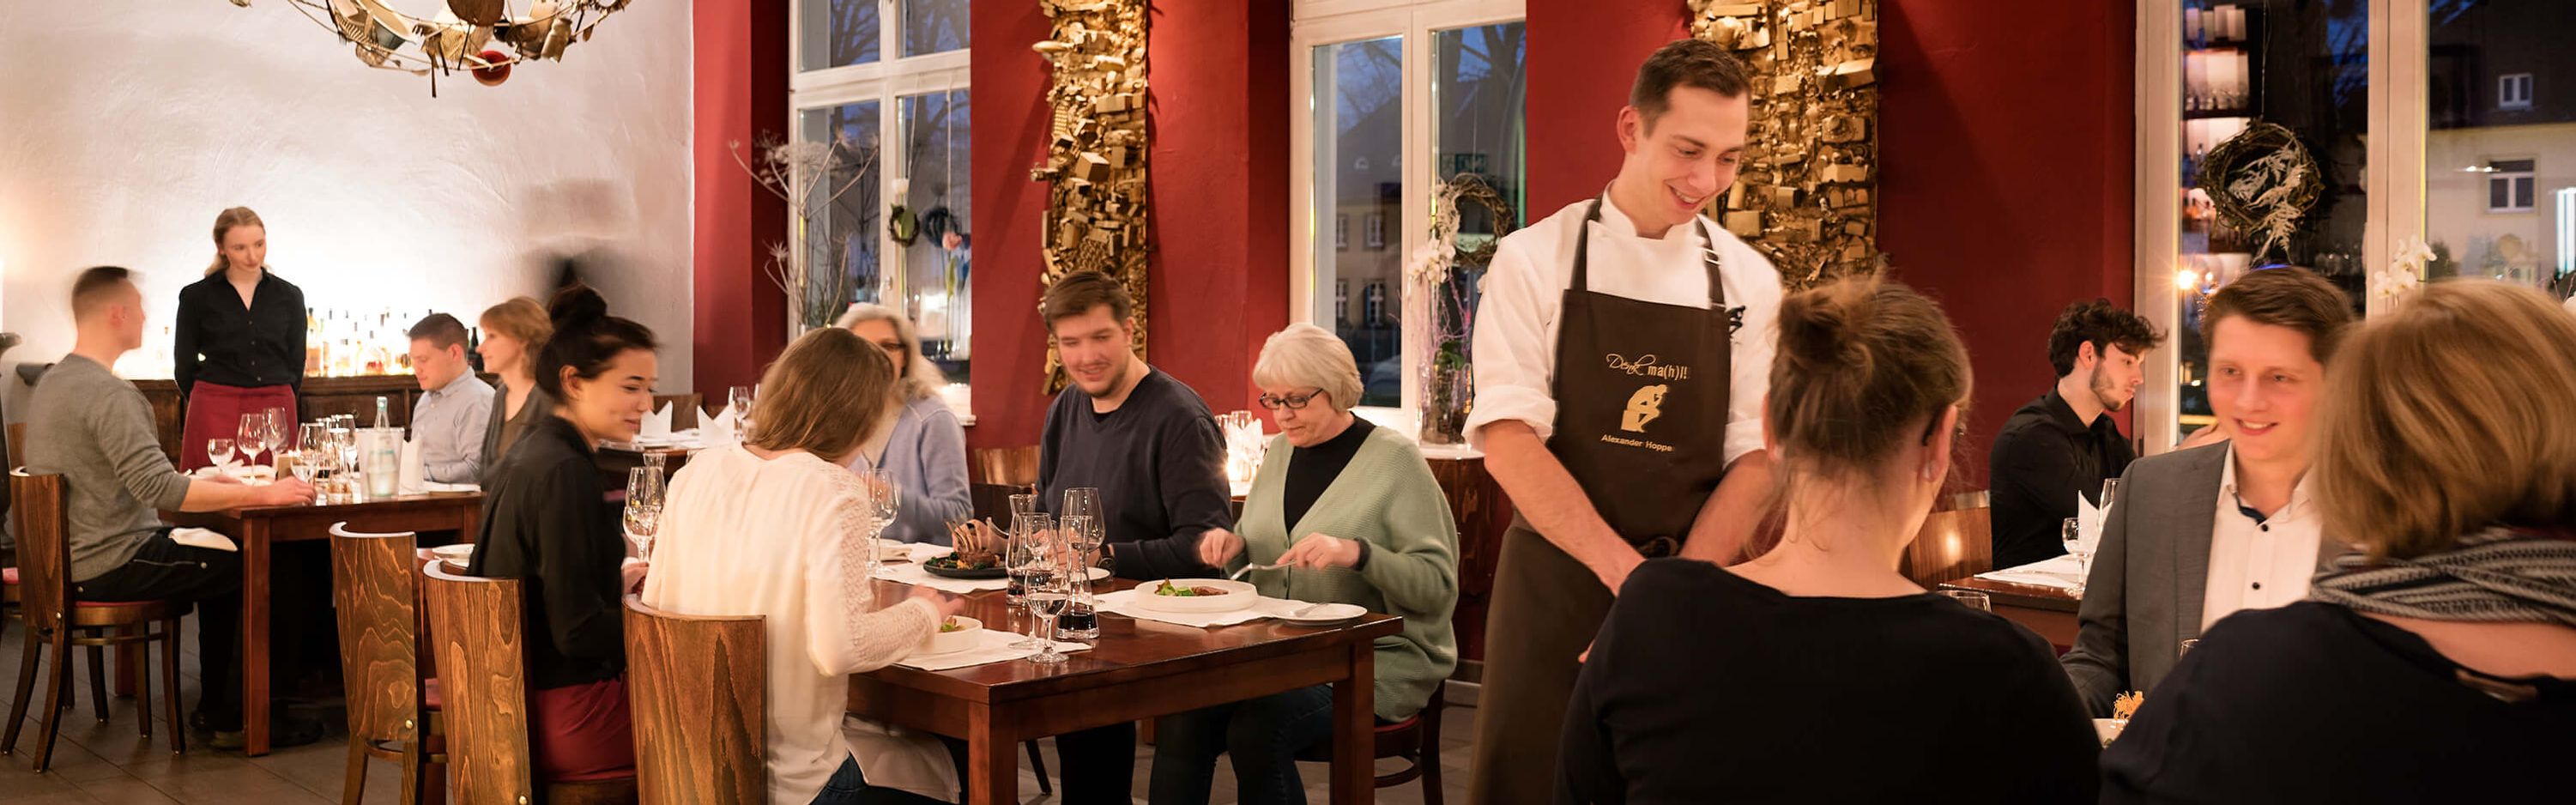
1971,599
643,508
252,436
2072,533
739,397
219,451
885,500
1050,595
2110,492
344,453
1027,562
280,425
1083,502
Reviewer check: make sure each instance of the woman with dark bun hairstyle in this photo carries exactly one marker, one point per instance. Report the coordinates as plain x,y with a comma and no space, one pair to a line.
544,523
1815,672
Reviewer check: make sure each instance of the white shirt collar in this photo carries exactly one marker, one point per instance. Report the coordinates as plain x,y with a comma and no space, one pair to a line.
1620,224
2227,489
454,385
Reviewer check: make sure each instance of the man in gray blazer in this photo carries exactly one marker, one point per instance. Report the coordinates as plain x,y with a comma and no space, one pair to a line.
2198,534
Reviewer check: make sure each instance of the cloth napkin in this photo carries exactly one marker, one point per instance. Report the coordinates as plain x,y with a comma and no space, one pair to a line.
657,425
415,469
717,428
202,538
1124,602
434,487
250,475
2060,572
910,573
990,647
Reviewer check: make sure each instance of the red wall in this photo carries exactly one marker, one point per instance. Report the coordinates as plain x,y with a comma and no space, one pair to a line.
2004,130
1010,124
738,318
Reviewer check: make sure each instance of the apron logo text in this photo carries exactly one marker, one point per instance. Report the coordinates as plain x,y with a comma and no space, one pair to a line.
1645,366
1659,447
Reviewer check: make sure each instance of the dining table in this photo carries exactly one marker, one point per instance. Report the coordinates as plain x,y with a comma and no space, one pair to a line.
1136,669
260,528
2047,610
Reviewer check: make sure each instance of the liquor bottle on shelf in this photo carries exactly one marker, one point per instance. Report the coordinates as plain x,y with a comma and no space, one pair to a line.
474,349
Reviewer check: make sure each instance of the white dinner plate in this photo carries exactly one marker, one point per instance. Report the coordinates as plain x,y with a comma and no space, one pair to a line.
1237,595
1325,614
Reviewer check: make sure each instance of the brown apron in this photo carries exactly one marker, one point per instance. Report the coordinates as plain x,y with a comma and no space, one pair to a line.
1641,394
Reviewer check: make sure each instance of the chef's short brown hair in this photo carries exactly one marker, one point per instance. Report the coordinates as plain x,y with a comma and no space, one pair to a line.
1686,63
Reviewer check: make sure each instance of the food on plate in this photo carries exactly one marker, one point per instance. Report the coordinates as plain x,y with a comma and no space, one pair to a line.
978,541
2126,705
1166,588
959,562
950,625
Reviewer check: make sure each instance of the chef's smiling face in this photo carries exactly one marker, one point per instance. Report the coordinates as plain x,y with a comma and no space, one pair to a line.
1680,158
2263,383
1095,349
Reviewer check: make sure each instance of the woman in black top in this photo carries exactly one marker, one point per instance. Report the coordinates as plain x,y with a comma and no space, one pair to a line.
1816,672
546,521
2438,665
239,341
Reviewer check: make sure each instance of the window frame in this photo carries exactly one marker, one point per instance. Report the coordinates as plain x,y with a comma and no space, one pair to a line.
1321,23
2529,192
2505,100
888,80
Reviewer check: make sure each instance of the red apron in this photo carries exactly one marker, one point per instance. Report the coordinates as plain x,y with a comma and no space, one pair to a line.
215,411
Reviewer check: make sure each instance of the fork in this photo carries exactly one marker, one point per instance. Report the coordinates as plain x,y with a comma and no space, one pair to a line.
1238,575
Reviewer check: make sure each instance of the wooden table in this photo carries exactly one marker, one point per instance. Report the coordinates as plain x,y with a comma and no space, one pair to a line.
257,529
2050,611
1138,669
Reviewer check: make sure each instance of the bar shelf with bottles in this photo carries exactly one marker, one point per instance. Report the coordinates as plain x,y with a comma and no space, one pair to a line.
350,359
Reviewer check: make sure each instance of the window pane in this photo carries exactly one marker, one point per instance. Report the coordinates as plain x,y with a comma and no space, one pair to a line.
2493,165
847,226
2302,64
933,26
1359,177
1478,93
840,32
937,264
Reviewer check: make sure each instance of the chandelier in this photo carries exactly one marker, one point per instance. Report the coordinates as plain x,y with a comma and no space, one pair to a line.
463,35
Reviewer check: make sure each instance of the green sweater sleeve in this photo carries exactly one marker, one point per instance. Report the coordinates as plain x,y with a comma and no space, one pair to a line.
1415,563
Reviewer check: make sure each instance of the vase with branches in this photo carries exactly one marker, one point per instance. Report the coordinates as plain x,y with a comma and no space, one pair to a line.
805,175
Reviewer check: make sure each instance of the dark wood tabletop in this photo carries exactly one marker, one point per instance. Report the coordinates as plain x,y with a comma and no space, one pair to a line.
2049,611
1137,669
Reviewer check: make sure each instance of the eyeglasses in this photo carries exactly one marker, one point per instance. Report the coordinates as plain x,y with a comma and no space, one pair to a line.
1293,402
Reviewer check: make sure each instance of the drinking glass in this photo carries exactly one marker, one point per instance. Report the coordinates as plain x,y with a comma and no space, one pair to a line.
1971,599
1080,620
740,399
1050,596
886,500
1023,505
344,456
2072,533
252,436
2110,492
2187,646
1028,561
1083,502
280,425
219,451
304,466
643,508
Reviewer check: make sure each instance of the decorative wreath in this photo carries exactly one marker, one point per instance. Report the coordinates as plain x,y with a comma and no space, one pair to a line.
902,226
2263,181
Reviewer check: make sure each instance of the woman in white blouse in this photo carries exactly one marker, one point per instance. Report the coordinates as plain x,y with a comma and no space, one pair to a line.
775,527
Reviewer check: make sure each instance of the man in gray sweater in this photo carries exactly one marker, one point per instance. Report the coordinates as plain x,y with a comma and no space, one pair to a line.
95,430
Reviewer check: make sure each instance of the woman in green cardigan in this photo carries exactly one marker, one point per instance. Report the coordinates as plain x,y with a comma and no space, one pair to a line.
1352,510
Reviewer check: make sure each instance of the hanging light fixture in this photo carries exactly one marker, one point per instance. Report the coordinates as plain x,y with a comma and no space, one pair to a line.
468,35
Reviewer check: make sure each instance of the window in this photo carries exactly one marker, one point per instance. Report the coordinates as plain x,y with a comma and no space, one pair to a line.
2513,91
1392,98
885,83
2509,185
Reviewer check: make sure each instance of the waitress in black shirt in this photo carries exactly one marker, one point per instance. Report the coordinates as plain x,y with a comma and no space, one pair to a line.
545,522
239,341
1816,672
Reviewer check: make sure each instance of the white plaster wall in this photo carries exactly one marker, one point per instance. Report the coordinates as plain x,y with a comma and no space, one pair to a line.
125,127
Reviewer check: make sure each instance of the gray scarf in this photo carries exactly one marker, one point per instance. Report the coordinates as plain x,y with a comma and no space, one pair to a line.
2495,575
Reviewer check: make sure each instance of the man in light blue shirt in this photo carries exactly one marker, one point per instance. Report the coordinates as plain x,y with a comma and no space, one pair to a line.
456,407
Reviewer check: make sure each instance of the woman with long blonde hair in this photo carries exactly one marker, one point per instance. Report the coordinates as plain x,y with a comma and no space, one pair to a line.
239,340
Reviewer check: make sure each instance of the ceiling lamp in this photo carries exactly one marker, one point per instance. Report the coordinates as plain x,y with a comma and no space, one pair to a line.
462,35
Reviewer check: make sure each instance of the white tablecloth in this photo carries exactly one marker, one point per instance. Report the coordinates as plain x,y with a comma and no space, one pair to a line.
991,647
1124,602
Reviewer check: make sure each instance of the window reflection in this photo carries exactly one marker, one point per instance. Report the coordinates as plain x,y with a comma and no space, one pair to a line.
2500,141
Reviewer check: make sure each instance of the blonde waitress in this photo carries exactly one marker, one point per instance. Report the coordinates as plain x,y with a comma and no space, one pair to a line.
240,338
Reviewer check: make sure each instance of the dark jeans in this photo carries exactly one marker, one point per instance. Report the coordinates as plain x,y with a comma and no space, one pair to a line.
166,570
1263,735
1096,765
850,787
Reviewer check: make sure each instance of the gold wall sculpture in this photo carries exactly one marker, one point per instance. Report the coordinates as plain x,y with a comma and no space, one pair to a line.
1806,194
1095,168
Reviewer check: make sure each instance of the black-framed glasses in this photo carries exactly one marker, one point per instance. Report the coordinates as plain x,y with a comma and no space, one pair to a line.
1293,402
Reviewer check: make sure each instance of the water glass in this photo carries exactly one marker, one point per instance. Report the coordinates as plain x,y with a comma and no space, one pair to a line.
219,451
643,508
1028,562
1050,596
2072,533
1971,599
1084,502
1080,620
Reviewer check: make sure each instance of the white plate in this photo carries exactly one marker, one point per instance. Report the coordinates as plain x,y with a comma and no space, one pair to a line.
2108,729
1326,614
1238,595
454,555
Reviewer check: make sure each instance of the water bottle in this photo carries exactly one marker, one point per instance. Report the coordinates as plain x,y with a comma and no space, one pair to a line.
383,468
380,414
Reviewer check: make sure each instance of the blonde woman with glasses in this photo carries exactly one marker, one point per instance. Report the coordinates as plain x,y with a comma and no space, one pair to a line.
920,443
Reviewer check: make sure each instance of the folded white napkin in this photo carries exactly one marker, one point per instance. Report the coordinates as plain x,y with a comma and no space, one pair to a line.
909,573
1124,602
2060,572
434,487
717,428
415,469
202,538
990,647
2088,522
657,425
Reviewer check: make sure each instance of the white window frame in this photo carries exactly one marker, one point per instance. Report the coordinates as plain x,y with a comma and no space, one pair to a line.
2507,98
1319,23
887,81
2530,195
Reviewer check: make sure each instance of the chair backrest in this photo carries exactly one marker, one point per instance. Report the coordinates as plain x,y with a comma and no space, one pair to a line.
697,686
378,594
993,501
477,627
17,444
1017,466
1952,545
684,409
44,548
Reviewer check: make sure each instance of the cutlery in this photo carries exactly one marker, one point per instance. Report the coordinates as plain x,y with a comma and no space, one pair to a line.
1238,575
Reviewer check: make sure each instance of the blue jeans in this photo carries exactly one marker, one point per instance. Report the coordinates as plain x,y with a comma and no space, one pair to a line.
849,787
1263,735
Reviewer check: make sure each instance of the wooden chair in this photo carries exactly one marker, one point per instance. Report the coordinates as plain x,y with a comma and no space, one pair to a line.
1014,466
698,689
377,594
684,409
1416,740
478,630
57,619
1952,545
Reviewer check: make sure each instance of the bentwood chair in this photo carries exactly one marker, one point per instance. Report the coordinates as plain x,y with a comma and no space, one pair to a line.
478,631
697,686
1416,740
58,620
377,593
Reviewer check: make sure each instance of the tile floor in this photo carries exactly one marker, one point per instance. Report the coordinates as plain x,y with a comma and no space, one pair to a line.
111,763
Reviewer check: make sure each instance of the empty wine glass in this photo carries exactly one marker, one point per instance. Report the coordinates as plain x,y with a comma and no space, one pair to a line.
1028,562
1083,502
1050,594
252,436
2110,492
643,508
886,499
219,451
2072,533
280,425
